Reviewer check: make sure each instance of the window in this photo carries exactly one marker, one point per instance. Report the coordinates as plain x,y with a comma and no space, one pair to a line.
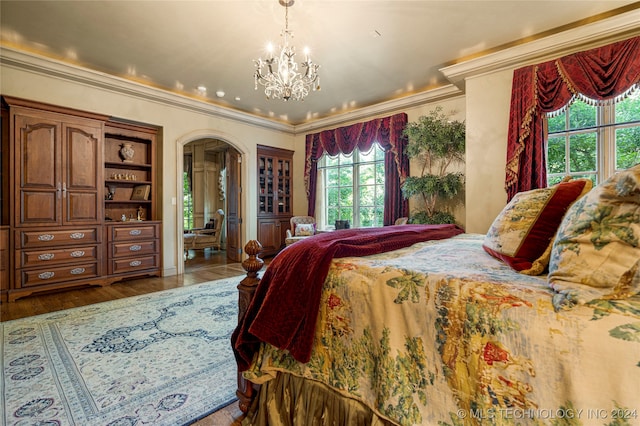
353,188
187,202
593,141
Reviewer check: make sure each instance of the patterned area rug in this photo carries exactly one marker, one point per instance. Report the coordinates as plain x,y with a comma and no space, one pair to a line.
164,358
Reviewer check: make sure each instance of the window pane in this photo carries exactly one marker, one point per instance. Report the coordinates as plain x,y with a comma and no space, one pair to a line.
380,173
332,177
367,219
582,115
558,123
332,216
367,174
367,196
627,147
346,176
556,155
332,197
379,200
346,196
379,216
628,109
346,214
583,152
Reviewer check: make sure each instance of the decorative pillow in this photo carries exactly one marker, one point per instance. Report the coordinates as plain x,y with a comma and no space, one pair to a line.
596,253
522,234
305,229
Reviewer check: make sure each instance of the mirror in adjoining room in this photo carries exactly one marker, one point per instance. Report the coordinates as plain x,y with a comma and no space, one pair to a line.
205,201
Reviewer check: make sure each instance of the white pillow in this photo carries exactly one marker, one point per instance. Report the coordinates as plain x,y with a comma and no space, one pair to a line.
305,229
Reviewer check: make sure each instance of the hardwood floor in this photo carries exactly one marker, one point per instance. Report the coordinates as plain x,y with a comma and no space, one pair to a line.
201,266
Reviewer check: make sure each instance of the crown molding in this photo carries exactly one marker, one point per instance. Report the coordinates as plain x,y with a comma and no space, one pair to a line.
49,67
574,40
382,108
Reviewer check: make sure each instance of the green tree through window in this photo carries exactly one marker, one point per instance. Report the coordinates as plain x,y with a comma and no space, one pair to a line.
589,141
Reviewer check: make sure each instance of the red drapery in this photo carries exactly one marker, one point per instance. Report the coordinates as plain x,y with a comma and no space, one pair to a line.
598,74
388,133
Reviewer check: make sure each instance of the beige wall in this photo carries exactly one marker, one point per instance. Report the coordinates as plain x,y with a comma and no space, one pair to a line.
488,97
179,126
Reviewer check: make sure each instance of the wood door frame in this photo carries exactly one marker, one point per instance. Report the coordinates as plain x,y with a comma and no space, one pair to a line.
181,142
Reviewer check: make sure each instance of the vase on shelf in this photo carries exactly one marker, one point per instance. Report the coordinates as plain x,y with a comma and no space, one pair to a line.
127,152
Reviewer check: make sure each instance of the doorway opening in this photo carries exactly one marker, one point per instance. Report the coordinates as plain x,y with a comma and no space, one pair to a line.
209,212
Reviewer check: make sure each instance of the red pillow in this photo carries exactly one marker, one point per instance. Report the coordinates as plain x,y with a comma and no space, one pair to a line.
522,234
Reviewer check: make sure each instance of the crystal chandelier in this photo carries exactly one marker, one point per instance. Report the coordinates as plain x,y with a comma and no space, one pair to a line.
279,74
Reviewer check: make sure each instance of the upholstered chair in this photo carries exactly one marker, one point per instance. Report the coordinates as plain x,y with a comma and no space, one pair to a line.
401,221
301,227
207,237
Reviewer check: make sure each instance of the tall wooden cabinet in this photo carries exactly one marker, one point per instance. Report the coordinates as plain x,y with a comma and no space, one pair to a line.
275,197
56,185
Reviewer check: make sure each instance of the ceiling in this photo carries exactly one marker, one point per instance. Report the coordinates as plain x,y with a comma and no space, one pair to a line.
369,51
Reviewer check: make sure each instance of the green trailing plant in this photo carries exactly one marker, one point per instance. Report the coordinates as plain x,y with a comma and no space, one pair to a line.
435,143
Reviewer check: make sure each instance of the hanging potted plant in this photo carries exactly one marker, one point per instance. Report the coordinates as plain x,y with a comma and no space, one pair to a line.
435,143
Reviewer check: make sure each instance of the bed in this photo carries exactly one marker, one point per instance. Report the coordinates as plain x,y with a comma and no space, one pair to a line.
535,322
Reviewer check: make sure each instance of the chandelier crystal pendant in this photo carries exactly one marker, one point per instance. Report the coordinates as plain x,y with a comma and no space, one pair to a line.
279,73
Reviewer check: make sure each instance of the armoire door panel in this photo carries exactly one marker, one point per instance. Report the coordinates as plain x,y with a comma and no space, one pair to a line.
39,208
38,153
82,207
83,159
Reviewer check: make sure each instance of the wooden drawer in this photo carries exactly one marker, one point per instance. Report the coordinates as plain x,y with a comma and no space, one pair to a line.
50,237
51,256
135,248
133,232
134,264
55,274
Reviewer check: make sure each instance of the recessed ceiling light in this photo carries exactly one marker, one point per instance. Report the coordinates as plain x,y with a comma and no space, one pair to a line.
201,89
237,98
220,93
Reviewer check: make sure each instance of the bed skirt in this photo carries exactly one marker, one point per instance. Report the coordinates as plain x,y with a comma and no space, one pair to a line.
288,400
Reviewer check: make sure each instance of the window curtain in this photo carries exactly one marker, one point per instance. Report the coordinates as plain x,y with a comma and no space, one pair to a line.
602,74
188,169
388,133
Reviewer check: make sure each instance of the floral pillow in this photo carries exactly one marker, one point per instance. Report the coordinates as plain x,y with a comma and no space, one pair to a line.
522,234
596,253
305,229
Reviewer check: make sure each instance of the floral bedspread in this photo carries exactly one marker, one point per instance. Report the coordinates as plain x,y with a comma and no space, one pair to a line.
442,333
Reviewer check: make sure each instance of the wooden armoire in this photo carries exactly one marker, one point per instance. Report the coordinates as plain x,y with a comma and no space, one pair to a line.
67,207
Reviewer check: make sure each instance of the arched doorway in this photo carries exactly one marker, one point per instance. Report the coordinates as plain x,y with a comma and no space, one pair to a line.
209,179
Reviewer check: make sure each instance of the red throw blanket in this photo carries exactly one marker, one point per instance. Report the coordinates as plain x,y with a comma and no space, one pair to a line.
285,306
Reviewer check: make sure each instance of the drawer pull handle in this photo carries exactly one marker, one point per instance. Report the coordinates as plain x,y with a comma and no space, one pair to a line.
135,248
135,263
45,237
135,232
77,235
46,256
77,253
46,275
77,271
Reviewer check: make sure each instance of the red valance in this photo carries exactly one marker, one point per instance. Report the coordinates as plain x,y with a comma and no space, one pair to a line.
596,75
388,133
